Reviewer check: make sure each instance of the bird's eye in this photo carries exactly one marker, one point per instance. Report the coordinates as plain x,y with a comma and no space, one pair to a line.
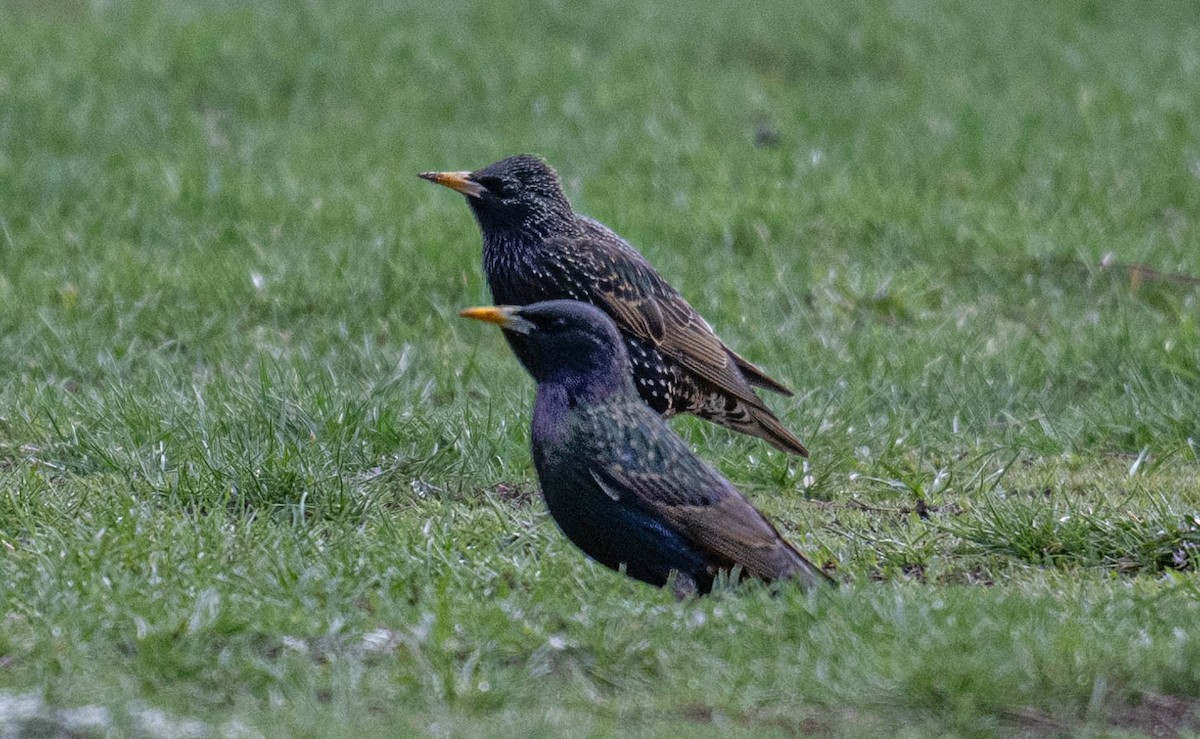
496,185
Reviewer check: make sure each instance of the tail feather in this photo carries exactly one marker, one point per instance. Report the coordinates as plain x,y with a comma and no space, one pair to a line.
767,426
754,420
807,573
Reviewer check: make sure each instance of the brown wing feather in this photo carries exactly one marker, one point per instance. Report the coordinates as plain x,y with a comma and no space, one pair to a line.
691,339
643,318
709,511
642,303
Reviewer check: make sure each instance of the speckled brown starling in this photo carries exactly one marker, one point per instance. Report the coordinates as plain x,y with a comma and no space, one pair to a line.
617,480
535,247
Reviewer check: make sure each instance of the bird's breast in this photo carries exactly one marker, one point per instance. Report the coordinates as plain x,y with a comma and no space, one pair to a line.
523,274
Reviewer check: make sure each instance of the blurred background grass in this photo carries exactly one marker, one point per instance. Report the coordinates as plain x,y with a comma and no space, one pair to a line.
966,234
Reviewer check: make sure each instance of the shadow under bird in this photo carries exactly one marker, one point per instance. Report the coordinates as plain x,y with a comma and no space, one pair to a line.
622,485
535,248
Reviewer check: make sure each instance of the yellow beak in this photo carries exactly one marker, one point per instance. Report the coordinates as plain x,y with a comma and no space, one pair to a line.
456,181
504,316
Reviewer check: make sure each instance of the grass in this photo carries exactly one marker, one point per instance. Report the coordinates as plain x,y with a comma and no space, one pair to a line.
256,478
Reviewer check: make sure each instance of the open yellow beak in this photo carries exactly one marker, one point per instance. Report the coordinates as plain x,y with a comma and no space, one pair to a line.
456,181
504,316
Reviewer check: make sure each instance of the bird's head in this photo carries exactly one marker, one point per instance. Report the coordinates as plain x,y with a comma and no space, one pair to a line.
520,193
565,342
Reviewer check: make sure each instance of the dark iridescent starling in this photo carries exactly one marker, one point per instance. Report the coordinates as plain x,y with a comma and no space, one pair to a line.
535,247
617,480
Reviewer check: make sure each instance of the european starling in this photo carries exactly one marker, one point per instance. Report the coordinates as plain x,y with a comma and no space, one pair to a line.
535,247
617,480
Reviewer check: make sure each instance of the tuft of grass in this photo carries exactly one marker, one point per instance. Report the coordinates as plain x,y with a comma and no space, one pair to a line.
1055,532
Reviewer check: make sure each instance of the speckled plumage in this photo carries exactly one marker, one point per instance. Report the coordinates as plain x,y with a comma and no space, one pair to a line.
535,248
617,480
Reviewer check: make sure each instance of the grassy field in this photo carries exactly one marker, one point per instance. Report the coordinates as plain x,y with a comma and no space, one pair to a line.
257,478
